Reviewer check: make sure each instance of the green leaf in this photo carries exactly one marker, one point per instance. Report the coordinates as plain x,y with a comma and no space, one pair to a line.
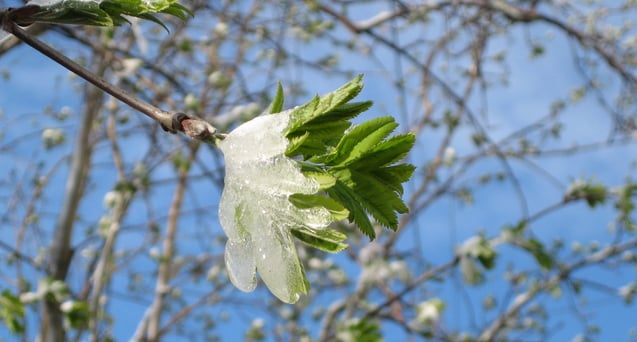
277,103
327,240
350,200
299,141
362,138
537,51
322,106
12,311
316,139
626,205
394,176
363,330
536,248
343,111
77,314
487,257
374,196
178,10
317,126
363,161
367,177
594,193
307,201
387,152
70,12
323,178
98,13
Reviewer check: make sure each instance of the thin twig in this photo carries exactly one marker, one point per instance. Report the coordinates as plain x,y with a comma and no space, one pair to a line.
434,272
104,269
13,252
192,126
152,320
491,332
163,117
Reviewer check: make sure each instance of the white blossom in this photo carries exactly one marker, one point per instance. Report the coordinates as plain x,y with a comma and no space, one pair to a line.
64,112
104,225
221,29
213,273
258,323
191,101
154,253
449,156
315,263
30,297
112,199
429,312
67,306
53,137
627,292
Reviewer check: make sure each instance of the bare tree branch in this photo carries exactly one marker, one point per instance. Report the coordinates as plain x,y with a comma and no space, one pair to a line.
522,299
61,251
153,322
192,126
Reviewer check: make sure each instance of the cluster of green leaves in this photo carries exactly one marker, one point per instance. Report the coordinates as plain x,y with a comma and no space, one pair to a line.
360,330
12,307
357,166
98,12
518,236
594,193
12,311
625,205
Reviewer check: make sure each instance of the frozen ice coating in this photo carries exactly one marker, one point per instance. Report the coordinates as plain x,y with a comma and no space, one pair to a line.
255,212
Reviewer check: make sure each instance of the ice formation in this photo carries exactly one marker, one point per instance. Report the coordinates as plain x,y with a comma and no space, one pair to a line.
255,212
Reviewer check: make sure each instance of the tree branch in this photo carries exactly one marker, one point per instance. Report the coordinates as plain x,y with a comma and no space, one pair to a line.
490,333
162,117
103,270
191,126
60,250
153,319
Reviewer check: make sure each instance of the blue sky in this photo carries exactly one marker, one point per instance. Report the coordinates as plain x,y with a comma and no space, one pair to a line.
36,82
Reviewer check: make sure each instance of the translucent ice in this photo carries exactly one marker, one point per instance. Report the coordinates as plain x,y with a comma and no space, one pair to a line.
255,212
